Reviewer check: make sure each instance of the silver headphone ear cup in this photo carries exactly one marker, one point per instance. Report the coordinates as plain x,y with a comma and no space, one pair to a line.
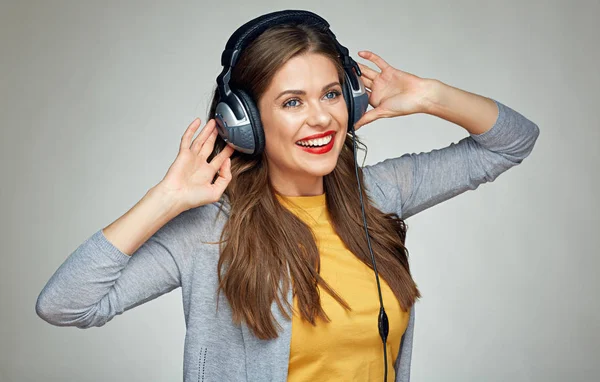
255,121
222,112
236,132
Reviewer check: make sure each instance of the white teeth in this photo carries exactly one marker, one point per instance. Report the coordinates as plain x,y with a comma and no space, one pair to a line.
316,142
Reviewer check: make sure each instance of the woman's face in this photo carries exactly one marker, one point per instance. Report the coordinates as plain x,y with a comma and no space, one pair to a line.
305,119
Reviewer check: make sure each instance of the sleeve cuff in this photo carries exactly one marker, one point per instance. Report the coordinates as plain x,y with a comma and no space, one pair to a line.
501,121
507,128
108,248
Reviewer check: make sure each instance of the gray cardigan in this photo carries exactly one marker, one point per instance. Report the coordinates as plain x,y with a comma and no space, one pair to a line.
97,281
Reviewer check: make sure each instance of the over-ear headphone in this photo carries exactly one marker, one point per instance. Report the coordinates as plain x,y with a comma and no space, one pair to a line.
236,114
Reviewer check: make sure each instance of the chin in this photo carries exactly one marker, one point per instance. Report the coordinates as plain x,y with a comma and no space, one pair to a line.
321,168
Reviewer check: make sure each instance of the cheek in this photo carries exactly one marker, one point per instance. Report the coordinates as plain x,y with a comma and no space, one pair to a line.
340,113
342,118
277,140
281,128
288,121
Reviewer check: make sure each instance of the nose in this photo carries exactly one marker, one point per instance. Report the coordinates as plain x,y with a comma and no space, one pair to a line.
319,115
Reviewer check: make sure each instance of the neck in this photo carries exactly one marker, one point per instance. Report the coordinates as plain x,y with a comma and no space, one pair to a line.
299,185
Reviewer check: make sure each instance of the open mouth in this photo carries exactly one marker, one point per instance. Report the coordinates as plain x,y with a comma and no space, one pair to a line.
317,140
318,144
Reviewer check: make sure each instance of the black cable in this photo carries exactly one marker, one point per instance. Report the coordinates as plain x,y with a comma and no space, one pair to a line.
382,320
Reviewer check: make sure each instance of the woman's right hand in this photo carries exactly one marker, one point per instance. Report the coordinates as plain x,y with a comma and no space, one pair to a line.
189,179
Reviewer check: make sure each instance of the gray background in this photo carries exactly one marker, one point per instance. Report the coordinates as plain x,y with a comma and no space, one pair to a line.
95,96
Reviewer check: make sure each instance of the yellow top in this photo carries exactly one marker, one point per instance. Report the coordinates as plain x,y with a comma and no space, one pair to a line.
349,347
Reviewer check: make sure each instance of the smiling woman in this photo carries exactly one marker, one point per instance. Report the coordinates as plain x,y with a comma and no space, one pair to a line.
294,74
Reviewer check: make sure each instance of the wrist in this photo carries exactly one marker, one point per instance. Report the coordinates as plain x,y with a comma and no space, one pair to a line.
431,91
167,199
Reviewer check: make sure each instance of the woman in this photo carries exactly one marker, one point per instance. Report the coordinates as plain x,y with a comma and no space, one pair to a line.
288,252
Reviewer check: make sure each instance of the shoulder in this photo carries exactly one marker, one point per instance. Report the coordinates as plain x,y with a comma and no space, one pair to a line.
195,226
380,188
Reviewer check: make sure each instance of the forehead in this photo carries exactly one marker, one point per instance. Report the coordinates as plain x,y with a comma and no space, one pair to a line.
309,72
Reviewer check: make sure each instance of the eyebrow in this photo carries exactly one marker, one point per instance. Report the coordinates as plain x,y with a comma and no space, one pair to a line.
302,92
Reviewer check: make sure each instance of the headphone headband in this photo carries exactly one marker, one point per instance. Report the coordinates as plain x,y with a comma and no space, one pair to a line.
248,32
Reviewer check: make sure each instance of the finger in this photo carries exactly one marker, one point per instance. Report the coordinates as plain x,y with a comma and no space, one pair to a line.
208,145
367,82
367,118
186,138
367,72
218,160
224,178
380,62
205,134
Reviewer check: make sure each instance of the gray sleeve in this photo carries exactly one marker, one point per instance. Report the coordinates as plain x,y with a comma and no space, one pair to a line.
97,281
404,357
413,182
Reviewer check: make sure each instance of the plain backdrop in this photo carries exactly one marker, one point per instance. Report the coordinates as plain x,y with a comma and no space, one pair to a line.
94,98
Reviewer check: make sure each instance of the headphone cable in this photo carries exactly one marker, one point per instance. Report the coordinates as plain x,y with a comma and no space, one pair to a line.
382,321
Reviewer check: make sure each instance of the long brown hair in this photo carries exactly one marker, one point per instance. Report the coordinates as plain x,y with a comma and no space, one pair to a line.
264,245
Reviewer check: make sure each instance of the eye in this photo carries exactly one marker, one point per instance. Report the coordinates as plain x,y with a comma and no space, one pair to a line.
288,105
295,102
335,94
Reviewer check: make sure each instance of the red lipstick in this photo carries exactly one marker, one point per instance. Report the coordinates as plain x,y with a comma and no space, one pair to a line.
316,136
322,149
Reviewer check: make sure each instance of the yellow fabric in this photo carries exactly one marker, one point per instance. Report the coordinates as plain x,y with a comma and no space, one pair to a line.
349,347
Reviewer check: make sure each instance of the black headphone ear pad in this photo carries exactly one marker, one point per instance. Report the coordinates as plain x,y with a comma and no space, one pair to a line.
254,115
349,101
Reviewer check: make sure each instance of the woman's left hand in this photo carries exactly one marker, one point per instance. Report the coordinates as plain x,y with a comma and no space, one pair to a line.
392,92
